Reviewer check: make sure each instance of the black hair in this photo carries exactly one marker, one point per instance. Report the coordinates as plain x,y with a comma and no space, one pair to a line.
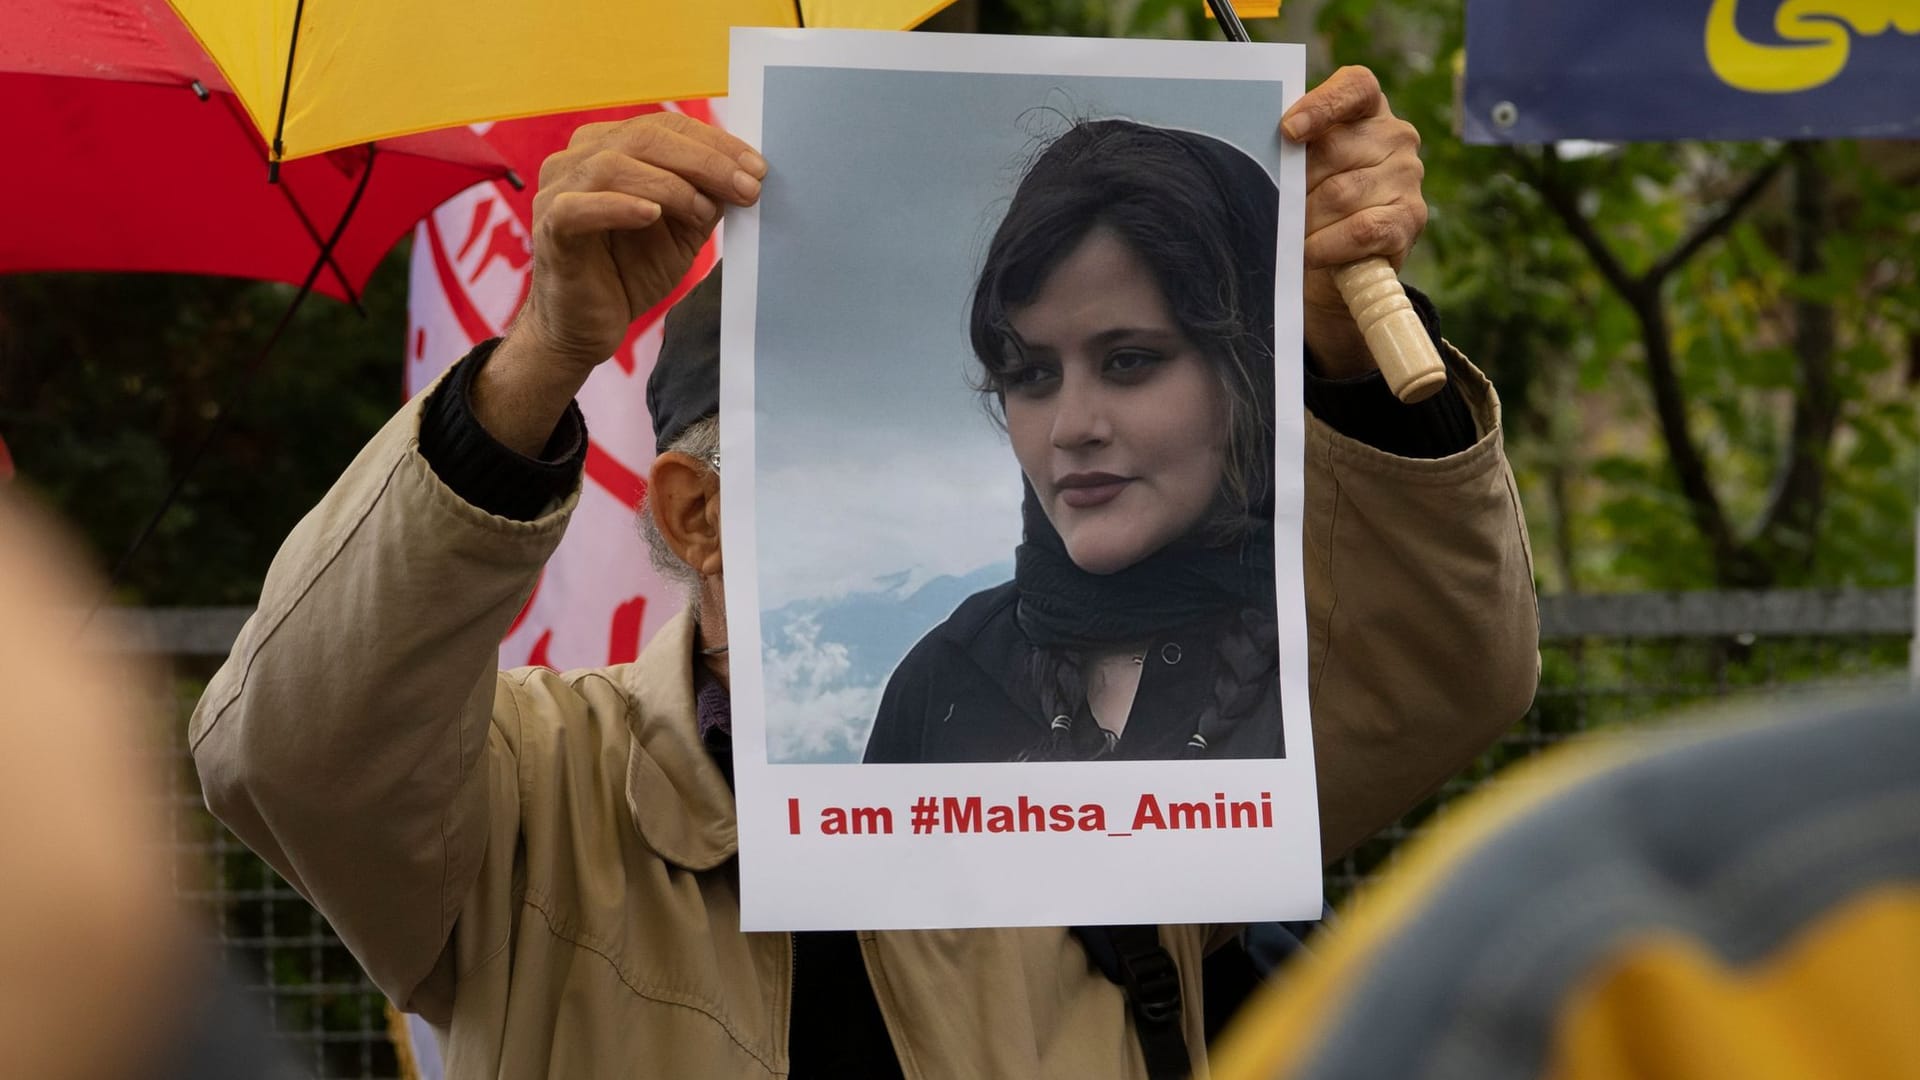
1246,650
1202,215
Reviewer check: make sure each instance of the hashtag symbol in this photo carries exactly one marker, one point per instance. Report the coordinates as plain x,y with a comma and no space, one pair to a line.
926,814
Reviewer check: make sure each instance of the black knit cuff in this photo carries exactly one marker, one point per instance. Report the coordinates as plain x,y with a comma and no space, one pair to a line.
1364,409
479,468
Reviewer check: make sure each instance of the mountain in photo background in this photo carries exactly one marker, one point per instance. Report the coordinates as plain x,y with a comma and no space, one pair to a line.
827,662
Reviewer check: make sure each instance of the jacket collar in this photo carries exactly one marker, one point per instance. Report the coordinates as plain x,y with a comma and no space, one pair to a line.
679,800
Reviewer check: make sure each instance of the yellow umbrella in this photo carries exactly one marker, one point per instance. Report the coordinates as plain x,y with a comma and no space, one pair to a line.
317,75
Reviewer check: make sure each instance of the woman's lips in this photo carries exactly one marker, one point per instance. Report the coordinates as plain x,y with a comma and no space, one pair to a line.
1083,491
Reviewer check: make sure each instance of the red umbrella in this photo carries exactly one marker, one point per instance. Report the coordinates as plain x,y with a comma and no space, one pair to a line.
128,151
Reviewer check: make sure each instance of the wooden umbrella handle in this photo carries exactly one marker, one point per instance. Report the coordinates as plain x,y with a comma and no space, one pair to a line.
1395,335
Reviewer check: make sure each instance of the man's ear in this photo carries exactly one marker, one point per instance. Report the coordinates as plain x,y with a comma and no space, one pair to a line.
684,498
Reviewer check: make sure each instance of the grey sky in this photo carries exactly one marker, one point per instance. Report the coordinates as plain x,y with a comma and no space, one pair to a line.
874,457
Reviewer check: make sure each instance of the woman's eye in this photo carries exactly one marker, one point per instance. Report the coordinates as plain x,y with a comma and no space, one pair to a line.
1028,378
1131,361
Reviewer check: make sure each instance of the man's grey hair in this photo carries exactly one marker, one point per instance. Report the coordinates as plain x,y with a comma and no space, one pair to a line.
701,442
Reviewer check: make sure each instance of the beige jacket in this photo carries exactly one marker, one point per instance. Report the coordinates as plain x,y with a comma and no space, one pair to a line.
542,864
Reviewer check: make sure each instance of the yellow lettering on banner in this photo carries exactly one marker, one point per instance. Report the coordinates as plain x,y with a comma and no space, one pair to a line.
1818,36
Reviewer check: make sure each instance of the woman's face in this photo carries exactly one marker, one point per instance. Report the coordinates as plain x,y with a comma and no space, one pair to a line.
1119,421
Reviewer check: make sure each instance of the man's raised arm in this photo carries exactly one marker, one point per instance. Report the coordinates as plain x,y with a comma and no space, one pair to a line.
346,739
350,737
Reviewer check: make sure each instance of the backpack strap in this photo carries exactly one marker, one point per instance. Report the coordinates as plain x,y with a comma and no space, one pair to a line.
1133,958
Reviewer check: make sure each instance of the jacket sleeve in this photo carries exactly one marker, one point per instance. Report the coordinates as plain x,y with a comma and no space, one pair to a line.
347,739
1423,633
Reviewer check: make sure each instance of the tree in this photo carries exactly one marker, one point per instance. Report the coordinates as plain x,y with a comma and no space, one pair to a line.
108,382
1747,306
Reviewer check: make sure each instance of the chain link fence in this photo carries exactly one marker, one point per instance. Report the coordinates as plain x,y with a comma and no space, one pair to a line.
1610,661
330,1019
1607,661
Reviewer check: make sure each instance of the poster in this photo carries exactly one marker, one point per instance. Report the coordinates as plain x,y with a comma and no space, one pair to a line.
942,598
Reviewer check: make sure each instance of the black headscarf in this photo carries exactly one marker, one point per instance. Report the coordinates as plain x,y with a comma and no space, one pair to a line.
1064,607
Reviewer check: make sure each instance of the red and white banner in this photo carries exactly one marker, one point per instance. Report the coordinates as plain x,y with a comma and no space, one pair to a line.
598,599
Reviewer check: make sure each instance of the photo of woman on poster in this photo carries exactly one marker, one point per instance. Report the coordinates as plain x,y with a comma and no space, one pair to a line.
1123,328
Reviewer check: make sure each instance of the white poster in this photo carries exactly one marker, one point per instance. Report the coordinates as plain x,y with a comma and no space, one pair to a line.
1011,440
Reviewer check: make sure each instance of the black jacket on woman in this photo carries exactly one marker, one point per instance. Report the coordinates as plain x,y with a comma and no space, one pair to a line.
964,693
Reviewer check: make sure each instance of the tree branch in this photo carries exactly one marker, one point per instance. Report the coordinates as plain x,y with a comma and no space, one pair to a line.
1711,229
1689,466
1789,528
1562,200
1642,294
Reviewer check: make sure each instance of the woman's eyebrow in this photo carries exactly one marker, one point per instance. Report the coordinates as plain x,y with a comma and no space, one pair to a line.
1113,335
1117,334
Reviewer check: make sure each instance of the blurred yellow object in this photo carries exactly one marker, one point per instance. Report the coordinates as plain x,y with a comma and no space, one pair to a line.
1837,999
1252,9
317,75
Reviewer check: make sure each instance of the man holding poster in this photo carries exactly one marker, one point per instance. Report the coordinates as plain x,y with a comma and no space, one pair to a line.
543,864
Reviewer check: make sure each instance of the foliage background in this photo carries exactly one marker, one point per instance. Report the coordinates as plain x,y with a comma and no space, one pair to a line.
107,381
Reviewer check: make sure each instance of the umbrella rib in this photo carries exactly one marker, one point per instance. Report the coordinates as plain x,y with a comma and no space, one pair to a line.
286,91
346,286
244,383
799,14
339,275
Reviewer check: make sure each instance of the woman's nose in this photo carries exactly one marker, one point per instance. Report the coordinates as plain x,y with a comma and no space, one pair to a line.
1079,418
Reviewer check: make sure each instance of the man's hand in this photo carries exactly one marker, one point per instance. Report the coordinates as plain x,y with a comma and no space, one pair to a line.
1363,198
619,217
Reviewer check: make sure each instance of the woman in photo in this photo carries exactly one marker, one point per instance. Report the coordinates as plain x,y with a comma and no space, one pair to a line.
1123,325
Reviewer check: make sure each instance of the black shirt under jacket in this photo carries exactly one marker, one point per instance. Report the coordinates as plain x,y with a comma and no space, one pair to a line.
964,693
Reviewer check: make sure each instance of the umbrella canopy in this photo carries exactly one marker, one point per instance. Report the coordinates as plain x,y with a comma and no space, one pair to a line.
130,152
316,75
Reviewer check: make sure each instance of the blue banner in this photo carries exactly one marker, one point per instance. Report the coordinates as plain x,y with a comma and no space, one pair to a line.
1648,70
